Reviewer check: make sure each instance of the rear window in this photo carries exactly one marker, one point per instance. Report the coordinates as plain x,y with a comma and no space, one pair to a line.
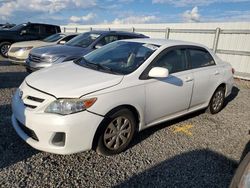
200,58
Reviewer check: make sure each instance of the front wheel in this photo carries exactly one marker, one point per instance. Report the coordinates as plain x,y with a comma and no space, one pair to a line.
217,101
117,133
4,48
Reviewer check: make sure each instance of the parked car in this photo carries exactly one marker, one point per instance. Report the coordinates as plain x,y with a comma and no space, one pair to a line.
25,32
19,51
75,48
101,100
6,26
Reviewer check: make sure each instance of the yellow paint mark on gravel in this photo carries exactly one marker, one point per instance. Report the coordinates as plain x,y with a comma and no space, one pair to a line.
183,129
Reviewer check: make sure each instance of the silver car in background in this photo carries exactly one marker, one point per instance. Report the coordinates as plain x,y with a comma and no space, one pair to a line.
75,48
19,51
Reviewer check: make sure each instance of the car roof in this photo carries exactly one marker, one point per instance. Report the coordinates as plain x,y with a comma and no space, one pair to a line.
68,34
165,42
103,32
41,24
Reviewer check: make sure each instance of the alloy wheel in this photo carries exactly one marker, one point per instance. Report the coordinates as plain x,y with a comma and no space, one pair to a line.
218,100
5,49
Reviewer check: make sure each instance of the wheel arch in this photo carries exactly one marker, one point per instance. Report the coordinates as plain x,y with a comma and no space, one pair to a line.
106,118
220,85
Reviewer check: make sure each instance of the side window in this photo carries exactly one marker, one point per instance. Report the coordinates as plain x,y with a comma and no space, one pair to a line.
46,29
200,58
121,37
173,60
33,29
66,39
108,39
50,29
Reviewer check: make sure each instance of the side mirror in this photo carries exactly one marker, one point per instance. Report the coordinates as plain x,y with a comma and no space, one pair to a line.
23,32
97,46
62,42
158,72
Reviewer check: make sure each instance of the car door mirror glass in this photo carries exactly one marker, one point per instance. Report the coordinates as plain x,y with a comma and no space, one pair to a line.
158,72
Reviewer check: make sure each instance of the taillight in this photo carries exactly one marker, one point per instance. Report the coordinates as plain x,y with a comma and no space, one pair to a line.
233,71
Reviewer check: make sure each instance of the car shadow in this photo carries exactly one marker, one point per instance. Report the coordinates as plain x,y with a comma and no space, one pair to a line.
198,168
173,80
232,96
151,130
12,148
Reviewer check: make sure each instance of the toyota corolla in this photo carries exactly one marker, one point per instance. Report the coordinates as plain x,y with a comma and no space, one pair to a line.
102,99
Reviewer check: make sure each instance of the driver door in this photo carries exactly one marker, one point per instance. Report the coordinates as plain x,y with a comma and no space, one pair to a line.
166,97
32,32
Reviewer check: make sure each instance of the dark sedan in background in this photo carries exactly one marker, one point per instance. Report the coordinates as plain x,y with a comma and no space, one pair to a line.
77,47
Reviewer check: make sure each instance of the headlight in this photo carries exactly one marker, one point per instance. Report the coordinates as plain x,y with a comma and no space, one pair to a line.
20,49
69,106
26,48
51,59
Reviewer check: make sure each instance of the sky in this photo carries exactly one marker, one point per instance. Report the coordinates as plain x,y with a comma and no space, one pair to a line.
63,12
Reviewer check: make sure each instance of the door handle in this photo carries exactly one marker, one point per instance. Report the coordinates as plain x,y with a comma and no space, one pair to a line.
188,79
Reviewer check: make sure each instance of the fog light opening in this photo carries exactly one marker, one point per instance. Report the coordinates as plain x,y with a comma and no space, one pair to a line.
59,139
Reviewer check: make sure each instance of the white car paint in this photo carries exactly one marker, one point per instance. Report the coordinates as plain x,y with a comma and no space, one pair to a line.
155,100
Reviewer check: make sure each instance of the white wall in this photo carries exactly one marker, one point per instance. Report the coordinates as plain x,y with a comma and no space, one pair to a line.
235,42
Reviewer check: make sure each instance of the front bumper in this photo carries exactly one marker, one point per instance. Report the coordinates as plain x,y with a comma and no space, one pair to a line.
16,60
79,128
33,66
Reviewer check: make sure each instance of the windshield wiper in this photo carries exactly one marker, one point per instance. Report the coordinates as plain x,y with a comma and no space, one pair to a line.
98,67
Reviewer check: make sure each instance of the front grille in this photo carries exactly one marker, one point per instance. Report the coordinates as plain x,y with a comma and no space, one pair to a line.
30,106
28,131
28,102
15,59
35,58
35,99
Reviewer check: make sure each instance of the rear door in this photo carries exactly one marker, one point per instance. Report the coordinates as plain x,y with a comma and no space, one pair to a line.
206,73
33,31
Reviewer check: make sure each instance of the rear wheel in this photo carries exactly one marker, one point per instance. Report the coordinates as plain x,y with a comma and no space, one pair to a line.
4,48
217,101
117,133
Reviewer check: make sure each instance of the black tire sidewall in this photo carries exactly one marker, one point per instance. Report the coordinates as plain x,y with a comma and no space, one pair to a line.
2,44
101,148
211,110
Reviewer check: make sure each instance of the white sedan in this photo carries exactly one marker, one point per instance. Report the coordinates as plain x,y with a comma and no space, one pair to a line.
101,100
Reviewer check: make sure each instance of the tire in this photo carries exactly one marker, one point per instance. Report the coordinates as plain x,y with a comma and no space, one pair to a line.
116,133
217,101
4,48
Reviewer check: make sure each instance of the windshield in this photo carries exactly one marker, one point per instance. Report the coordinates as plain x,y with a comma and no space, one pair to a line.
53,38
18,27
119,57
83,40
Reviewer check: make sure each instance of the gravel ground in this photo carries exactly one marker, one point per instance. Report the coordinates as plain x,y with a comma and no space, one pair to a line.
159,157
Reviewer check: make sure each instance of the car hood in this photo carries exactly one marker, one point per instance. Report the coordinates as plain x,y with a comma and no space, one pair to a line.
69,80
34,43
60,50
